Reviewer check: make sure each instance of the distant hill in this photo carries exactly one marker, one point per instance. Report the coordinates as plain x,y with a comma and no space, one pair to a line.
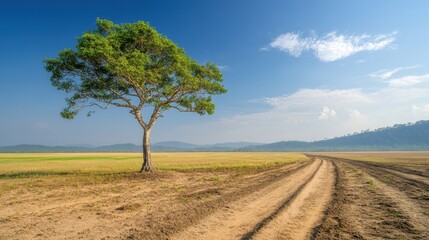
127,147
398,137
174,144
41,148
411,136
235,144
170,146
279,146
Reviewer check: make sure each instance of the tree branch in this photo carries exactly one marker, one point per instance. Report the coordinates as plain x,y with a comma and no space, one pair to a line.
137,114
183,109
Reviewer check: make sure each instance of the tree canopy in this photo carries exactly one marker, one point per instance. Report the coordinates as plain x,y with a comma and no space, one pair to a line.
133,66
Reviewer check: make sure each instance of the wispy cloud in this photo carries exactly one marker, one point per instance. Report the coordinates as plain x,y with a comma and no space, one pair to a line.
320,97
386,74
299,115
408,81
332,46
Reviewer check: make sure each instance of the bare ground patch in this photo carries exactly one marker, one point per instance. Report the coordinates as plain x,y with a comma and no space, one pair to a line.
322,198
131,206
305,212
365,207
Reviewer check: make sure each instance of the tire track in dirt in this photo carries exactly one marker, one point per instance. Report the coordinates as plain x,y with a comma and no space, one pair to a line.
367,208
418,178
409,195
416,190
306,210
406,206
400,168
242,217
164,222
414,180
338,221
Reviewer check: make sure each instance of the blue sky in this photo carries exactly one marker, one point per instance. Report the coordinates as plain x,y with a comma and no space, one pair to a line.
295,70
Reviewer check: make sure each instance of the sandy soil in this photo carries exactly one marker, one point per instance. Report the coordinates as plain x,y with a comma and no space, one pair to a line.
372,202
418,178
136,207
239,219
300,217
323,198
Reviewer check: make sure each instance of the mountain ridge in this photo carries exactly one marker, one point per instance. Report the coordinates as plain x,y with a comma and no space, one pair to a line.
401,137
168,146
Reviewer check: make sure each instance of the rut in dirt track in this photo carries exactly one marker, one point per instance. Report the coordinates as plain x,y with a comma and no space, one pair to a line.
288,208
415,187
372,202
416,180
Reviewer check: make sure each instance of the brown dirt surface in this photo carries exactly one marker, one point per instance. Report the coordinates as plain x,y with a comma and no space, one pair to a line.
124,207
326,197
373,202
298,219
240,218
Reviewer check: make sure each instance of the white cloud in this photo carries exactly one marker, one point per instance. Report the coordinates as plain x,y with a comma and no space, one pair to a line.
386,74
331,47
292,44
320,98
408,81
296,116
327,113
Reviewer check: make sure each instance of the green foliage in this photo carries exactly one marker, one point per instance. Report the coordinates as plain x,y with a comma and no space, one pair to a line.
133,66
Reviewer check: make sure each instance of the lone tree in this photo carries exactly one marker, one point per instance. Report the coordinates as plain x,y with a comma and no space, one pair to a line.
133,66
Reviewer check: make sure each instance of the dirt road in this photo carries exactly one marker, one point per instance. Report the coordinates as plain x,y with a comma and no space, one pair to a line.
321,198
330,198
376,201
294,202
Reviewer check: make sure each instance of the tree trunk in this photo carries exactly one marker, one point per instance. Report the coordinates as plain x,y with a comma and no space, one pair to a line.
147,159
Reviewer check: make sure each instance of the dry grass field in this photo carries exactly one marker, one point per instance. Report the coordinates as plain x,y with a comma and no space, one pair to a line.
31,164
215,196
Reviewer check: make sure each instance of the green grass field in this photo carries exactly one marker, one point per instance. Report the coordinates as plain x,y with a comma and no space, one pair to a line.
18,165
